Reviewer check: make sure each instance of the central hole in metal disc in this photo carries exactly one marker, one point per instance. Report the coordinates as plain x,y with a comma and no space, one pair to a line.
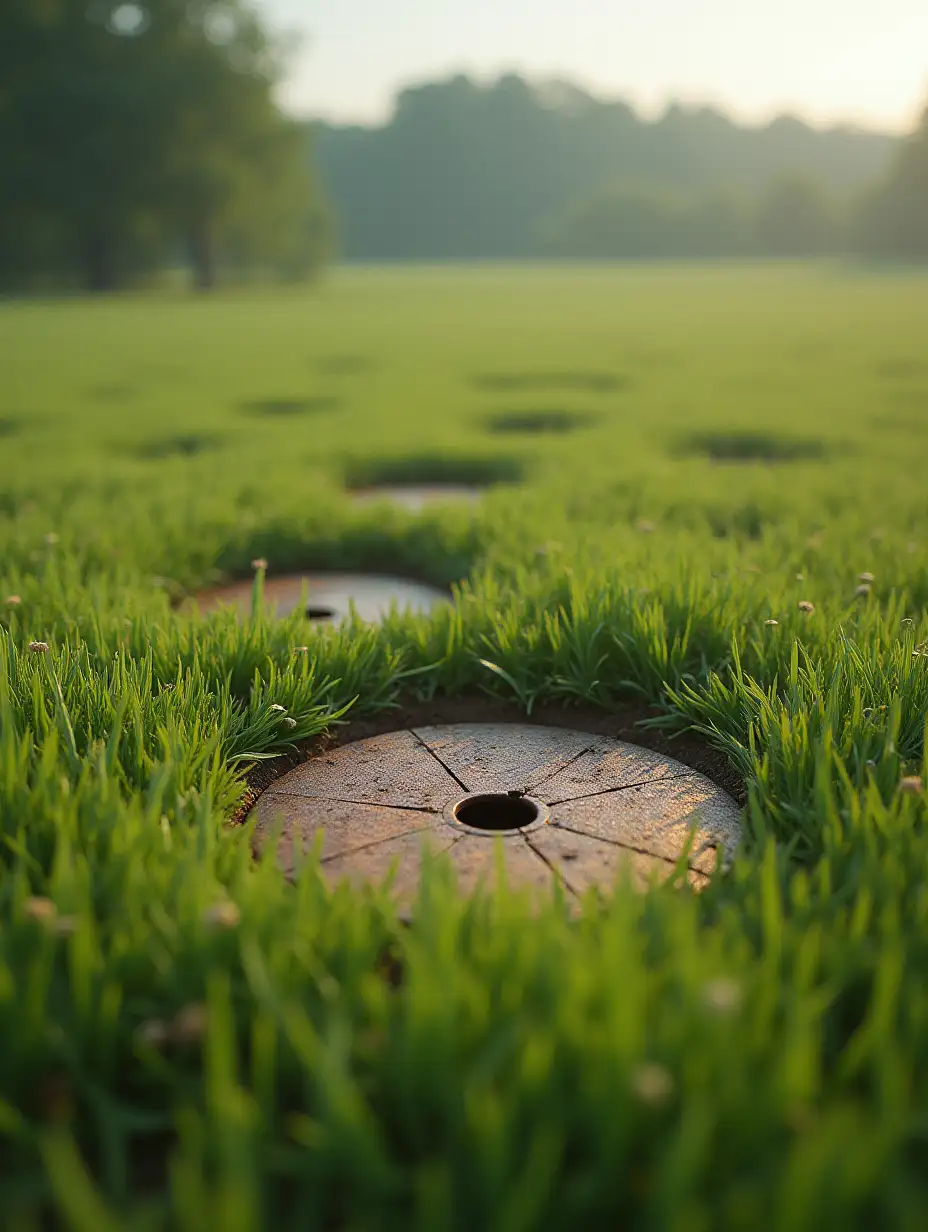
497,812
320,613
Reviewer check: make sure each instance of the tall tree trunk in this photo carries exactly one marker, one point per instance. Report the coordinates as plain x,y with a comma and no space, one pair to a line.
99,260
202,256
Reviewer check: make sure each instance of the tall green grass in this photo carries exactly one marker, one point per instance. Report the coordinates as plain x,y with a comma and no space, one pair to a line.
190,1041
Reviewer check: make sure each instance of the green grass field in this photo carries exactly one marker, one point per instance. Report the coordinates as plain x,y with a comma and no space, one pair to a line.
730,443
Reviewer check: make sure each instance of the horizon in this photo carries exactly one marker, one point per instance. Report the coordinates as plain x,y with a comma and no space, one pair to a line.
852,66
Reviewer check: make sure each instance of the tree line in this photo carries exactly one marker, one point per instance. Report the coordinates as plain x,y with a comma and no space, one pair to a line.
144,134
512,170
135,135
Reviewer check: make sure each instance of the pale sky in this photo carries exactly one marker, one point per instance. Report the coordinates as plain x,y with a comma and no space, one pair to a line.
865,61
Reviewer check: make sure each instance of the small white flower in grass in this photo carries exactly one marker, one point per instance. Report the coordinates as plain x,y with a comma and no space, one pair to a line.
222,915
279,709
39,647
189,1025
645,527
771,623
12,601
291,723
911,785
42,910
862,591
652,1084
155,1033
800,577
807,607
259,563
866,579
723,995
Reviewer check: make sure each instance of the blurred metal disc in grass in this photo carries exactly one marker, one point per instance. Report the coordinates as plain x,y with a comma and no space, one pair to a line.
568,807
326,598
414,498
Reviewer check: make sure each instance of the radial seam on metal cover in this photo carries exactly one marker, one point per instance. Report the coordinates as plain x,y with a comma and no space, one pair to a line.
463,786
611,791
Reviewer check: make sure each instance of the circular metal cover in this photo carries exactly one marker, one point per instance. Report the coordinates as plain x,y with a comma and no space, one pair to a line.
416,497
605,807
328,596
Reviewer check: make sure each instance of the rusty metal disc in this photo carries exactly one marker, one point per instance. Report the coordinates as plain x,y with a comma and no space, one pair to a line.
328,596
567,806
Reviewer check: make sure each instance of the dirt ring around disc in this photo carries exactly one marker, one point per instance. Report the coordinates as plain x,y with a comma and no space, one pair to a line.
568,807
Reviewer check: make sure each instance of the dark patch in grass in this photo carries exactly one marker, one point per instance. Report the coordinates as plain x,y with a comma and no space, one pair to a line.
9,427
536,423
753,446
185,446
903,369
431,469
903,422
586,382
284,407
344,365
113,393
746,522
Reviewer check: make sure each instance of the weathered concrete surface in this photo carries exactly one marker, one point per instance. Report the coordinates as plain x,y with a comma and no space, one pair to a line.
613,809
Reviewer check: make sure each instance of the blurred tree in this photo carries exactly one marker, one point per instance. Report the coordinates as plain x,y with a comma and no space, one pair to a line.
235,177
796,219
130,126
465,170
893,219
620,223
647,221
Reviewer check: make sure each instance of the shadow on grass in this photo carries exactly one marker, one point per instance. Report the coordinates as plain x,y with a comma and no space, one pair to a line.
538,423
274,408
580,381
184,446
752,446
431,469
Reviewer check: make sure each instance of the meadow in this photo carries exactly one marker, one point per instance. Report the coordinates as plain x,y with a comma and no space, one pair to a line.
703,502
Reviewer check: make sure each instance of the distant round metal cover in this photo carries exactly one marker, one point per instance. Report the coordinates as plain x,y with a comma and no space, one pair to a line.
328,596
414,498
567,807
